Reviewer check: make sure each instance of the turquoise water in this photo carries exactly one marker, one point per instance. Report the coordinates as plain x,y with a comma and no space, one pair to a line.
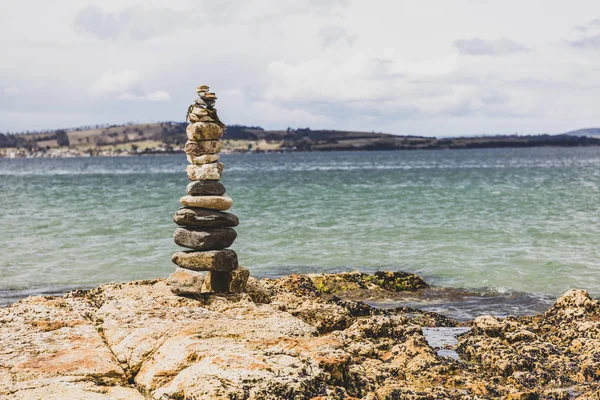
500,221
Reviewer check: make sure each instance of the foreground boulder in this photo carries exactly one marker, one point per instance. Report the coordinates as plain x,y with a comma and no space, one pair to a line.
284,339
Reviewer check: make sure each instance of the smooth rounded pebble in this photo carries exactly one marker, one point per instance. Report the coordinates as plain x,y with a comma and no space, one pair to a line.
204,188
220,203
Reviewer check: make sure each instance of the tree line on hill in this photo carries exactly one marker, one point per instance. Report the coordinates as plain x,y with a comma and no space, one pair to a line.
304,139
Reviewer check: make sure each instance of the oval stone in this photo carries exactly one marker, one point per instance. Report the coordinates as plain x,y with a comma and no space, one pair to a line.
220,203
198,148
205,118
204,131
214,260
204,188
205,172
205,218
209,239
204,159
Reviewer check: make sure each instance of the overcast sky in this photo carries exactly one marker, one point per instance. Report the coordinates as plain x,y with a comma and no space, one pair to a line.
424,67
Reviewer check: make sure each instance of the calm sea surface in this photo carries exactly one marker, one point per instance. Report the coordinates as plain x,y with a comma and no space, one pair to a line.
507,229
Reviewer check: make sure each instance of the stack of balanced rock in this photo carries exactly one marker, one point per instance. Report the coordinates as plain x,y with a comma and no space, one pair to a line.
204,226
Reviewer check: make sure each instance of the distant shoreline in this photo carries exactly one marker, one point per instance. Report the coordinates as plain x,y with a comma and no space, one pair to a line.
170,137
73,153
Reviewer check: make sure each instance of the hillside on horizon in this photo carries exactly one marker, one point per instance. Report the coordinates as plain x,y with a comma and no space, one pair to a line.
171,136
589,132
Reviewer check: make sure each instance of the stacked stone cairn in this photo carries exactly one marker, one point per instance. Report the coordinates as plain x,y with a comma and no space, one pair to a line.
204,226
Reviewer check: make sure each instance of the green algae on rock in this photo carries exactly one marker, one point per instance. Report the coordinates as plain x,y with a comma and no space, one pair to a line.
381,280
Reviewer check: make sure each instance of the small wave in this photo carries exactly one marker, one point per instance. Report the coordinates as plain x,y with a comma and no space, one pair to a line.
466,304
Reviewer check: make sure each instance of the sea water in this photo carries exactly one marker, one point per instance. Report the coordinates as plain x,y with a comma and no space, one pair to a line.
518,226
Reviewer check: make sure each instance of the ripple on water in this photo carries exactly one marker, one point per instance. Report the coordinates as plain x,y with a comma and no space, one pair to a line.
527,220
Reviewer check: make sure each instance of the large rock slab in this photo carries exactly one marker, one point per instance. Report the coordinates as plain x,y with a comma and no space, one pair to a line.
198,148
50,349
223,348
205,172
204,131
205,218
215,260
120,340
220,203
213,239
205,188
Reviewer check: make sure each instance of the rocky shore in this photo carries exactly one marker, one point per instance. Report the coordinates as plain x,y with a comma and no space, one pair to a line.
296,337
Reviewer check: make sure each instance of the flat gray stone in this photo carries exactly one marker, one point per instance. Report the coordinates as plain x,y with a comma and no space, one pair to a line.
214,260
208,239
219,203
204,218
205,188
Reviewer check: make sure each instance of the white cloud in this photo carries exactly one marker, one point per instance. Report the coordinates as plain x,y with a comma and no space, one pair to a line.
589,37
139,22
331,34
480,47
125,85
124,82
264,112
159,95
341,64
10,91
